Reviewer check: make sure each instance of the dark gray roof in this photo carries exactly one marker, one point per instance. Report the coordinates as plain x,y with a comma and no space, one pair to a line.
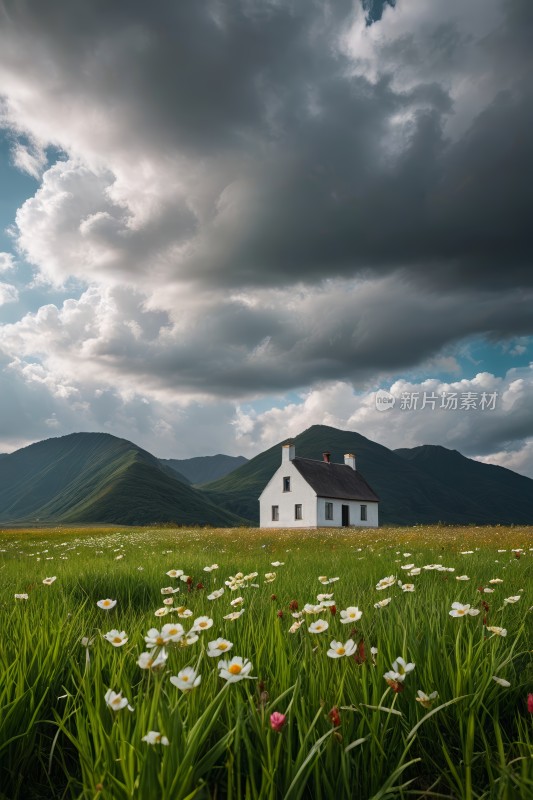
334,480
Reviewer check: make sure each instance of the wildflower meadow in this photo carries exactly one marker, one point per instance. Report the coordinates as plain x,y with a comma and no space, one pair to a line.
241,663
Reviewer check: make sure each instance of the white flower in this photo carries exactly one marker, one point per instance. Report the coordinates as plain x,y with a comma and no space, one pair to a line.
407,566
496,580
426,700
154,737
318,627
116,701
415,571
496,630
49,581
383,603
351,614
309,608
338,649
147,660
216,594
184,578
277,563
501,681
155,638
211,568
269,577
22,596
235,670
295,625
513,599
322,597
174,573
172,631
401,668
460,610
466,552
406,587
168,601
384,583
237,602
169,590
106,604
187,679
188,639
462,578
234,615
202,624
218,647
116,638
161,612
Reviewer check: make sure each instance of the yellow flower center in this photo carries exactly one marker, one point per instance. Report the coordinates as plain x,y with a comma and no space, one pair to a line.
235,669
185,678
117,639
340,651
160,640
173,631
222,646
461,611
106,603
202,625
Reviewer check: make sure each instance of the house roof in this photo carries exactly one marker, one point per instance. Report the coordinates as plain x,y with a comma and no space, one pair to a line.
334,480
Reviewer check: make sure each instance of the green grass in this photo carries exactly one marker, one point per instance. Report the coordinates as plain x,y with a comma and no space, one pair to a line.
58,738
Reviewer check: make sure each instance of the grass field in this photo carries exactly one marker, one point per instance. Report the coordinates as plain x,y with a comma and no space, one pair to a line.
357,723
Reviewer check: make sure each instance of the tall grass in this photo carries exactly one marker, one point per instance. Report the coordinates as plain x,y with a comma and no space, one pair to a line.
347,732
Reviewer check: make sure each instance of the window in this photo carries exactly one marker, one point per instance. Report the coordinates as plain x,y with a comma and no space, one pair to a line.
275,513
286,484
298,511
363,513
329,510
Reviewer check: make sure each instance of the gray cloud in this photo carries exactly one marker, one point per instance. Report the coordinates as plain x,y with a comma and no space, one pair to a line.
257,197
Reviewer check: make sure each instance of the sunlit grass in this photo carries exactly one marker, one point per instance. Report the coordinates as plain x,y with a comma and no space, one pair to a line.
347,731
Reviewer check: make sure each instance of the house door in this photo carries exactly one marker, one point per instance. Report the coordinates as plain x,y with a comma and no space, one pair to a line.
345,516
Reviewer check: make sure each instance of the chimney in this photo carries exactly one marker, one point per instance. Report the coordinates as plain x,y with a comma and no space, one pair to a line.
326,457
288,451
349,460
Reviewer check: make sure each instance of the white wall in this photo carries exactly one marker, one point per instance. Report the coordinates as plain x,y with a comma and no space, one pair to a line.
355,513
313,508
273,495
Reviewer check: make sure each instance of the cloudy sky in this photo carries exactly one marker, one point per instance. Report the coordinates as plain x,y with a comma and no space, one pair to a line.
223,221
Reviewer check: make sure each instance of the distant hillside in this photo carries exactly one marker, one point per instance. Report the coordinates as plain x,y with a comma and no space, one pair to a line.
96,477
203,469
500,494
409,491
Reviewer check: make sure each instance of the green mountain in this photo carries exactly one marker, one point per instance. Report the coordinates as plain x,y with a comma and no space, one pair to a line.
204,469
409,490
98,478
500,494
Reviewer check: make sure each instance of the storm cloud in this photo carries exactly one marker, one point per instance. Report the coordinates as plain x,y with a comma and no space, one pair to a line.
250,198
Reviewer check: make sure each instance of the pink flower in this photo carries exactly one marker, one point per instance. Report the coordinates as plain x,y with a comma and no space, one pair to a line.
277,721
530,703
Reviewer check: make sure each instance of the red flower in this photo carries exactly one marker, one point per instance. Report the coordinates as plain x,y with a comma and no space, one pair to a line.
293,605
530,703
277,721
199,586
333,610
273,597
280,613
360,655
335,717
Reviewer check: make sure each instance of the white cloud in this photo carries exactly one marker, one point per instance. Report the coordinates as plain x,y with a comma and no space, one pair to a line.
8,293
502,435
7,262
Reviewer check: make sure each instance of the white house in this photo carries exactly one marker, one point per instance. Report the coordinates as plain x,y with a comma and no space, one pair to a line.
306,493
